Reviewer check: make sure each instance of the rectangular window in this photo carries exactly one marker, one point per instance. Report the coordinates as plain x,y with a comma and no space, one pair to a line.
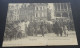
35,8
69,7
58,6
65,6
38,15
35,14
41,8
42,15
55,6
38,8
62,6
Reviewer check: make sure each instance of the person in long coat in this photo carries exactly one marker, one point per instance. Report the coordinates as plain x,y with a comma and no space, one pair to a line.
42,28
57,29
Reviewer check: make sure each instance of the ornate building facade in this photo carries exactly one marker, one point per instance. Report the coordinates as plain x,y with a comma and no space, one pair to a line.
63,11
33,12
39,11
13,13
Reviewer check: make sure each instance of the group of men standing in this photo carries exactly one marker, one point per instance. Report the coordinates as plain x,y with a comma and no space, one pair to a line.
23,28
60,28
34,28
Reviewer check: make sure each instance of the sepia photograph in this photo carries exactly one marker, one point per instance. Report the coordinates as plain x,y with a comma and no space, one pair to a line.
39,24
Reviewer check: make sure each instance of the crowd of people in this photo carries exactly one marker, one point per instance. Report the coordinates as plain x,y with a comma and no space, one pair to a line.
21,29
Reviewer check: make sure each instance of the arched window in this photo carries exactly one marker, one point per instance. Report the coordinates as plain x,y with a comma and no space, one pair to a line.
64,14
57,14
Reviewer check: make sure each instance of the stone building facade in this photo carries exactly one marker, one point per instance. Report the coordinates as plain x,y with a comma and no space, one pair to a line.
63,11
13,13
38,11
33,12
